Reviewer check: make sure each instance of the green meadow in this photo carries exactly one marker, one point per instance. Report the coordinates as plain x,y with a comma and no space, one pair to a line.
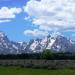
15,70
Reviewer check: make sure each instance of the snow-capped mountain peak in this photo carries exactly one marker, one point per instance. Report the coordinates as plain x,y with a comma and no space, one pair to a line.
2,34
54,42
56,35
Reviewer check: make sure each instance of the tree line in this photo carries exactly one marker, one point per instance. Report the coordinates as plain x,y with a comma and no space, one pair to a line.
46,54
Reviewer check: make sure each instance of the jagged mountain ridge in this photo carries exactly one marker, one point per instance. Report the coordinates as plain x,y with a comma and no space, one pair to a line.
56,43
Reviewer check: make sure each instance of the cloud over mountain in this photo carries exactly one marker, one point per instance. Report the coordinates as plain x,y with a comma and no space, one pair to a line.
36,33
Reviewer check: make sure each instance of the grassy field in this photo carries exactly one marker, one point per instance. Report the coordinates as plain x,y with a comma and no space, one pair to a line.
11,70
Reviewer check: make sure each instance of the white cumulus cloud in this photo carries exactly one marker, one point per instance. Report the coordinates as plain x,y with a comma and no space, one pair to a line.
8,13
52,14
2,21
36,33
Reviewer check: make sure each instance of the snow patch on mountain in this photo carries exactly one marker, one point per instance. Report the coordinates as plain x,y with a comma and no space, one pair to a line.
54,42
50,44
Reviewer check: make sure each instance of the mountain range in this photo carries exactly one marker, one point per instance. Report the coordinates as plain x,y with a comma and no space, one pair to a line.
55,43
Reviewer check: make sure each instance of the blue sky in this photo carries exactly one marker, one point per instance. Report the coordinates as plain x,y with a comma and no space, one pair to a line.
22,20
14,29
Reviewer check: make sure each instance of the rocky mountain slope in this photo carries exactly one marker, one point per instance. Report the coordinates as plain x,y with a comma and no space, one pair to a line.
56,43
